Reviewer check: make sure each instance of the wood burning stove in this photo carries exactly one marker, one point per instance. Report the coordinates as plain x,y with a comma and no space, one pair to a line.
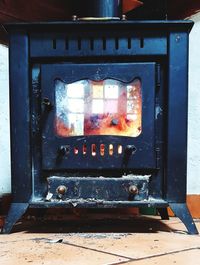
99,115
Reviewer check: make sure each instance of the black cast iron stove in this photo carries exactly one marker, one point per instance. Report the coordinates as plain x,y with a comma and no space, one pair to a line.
99,115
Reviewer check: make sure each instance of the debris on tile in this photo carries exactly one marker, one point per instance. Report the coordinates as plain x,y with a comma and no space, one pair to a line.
55,241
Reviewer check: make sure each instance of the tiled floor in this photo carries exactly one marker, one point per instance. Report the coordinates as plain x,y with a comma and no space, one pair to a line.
136,241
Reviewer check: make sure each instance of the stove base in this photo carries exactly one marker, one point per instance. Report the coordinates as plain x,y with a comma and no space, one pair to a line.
15,213
180,210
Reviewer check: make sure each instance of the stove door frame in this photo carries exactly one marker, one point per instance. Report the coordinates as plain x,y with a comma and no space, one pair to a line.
143,158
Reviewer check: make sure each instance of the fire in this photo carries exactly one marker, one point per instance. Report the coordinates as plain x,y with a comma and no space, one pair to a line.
107,124
61,129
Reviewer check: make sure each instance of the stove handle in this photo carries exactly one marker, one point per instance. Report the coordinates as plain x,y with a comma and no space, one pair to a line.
46,107
128,152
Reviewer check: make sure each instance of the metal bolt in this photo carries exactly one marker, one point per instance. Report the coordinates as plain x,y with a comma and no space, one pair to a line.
74,18
124,17
61,189
133,189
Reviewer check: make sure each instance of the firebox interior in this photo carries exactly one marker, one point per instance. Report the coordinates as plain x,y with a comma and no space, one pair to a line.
107,107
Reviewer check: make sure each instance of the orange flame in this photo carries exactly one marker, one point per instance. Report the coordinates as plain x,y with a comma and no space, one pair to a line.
61,129
122,125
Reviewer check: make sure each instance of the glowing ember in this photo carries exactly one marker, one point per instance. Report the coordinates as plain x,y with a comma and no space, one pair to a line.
107,107
108,124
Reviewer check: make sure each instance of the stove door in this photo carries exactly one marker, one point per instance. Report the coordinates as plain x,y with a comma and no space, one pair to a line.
98,116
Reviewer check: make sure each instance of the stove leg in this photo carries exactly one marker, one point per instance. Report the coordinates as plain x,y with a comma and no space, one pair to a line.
15,212
163,213
181,211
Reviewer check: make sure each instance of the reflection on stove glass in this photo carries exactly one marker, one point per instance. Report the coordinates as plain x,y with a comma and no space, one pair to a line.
76,122
107,107
97,106
75,105
75,90
97,91
111,91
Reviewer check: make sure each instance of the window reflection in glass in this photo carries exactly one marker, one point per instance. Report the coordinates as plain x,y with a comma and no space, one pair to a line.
107,107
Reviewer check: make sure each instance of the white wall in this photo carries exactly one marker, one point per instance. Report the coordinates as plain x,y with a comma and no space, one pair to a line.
4,123
193,124
194,109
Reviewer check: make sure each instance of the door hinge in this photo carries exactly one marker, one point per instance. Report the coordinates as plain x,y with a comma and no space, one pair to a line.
158,75
158,157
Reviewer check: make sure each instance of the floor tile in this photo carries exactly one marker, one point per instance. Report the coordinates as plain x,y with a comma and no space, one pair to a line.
42,251
137,245
99,243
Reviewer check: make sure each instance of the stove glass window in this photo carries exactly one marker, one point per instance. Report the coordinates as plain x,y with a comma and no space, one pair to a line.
107,107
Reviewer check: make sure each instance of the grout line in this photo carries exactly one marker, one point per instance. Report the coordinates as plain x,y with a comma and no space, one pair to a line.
155,256
96,250
129,259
